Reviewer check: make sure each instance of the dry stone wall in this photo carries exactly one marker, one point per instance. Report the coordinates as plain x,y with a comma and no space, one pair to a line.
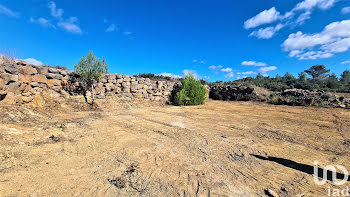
20,82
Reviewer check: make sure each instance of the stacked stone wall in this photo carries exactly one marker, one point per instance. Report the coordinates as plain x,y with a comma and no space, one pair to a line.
20,82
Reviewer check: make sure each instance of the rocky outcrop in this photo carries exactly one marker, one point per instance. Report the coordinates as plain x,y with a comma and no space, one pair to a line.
21,82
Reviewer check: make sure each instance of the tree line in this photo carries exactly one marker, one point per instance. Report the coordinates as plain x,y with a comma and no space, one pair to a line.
319,79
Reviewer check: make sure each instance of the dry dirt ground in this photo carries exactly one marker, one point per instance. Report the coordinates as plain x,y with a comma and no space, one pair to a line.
217,149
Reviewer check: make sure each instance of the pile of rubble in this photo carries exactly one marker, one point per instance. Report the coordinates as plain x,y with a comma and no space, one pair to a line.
306,98
237,93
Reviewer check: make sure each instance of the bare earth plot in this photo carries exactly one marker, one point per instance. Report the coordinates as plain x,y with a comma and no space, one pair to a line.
218,149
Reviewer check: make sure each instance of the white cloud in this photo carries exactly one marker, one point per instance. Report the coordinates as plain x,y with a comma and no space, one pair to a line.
8,12
111,28
335,38
345,62
266,33
297,16
193,72
127,33
213,67
33,61
267,69
345,10
311,4
253,63
229,75
303,17
226,70
264,17
42,21
70,25
170,75
247,73
57,13
199,61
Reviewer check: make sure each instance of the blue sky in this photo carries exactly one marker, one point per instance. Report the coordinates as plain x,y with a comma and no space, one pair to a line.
214,40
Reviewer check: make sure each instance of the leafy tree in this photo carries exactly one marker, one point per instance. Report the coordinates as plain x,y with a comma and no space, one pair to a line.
317,71
189,92
259,76
91,69
302,77
288,76
278,76
333,82
345,77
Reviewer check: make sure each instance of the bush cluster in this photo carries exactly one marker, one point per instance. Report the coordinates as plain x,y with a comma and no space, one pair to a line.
189,92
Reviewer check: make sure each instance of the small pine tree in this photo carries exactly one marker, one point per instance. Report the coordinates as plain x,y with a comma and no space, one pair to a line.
190,92
91,69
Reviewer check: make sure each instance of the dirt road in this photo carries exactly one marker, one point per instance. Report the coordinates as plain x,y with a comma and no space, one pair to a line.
217,149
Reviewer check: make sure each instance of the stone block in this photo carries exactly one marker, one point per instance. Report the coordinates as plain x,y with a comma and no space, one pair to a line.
53,76
12,69
117,89
112,81
36,90
27,99
34,84
159,84
64,73
28,70
53,82
11,98
99,84
25,78
54,70
42,70
39,78
66,78
110,77
56,88
3,89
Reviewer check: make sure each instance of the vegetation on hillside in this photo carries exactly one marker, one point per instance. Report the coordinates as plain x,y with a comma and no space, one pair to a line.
189,92
320,79
91,69
155,77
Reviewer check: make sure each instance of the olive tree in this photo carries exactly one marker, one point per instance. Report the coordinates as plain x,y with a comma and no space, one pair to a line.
91,69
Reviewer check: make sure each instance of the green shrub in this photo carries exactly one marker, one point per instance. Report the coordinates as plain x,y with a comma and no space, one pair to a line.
189,92
91,69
